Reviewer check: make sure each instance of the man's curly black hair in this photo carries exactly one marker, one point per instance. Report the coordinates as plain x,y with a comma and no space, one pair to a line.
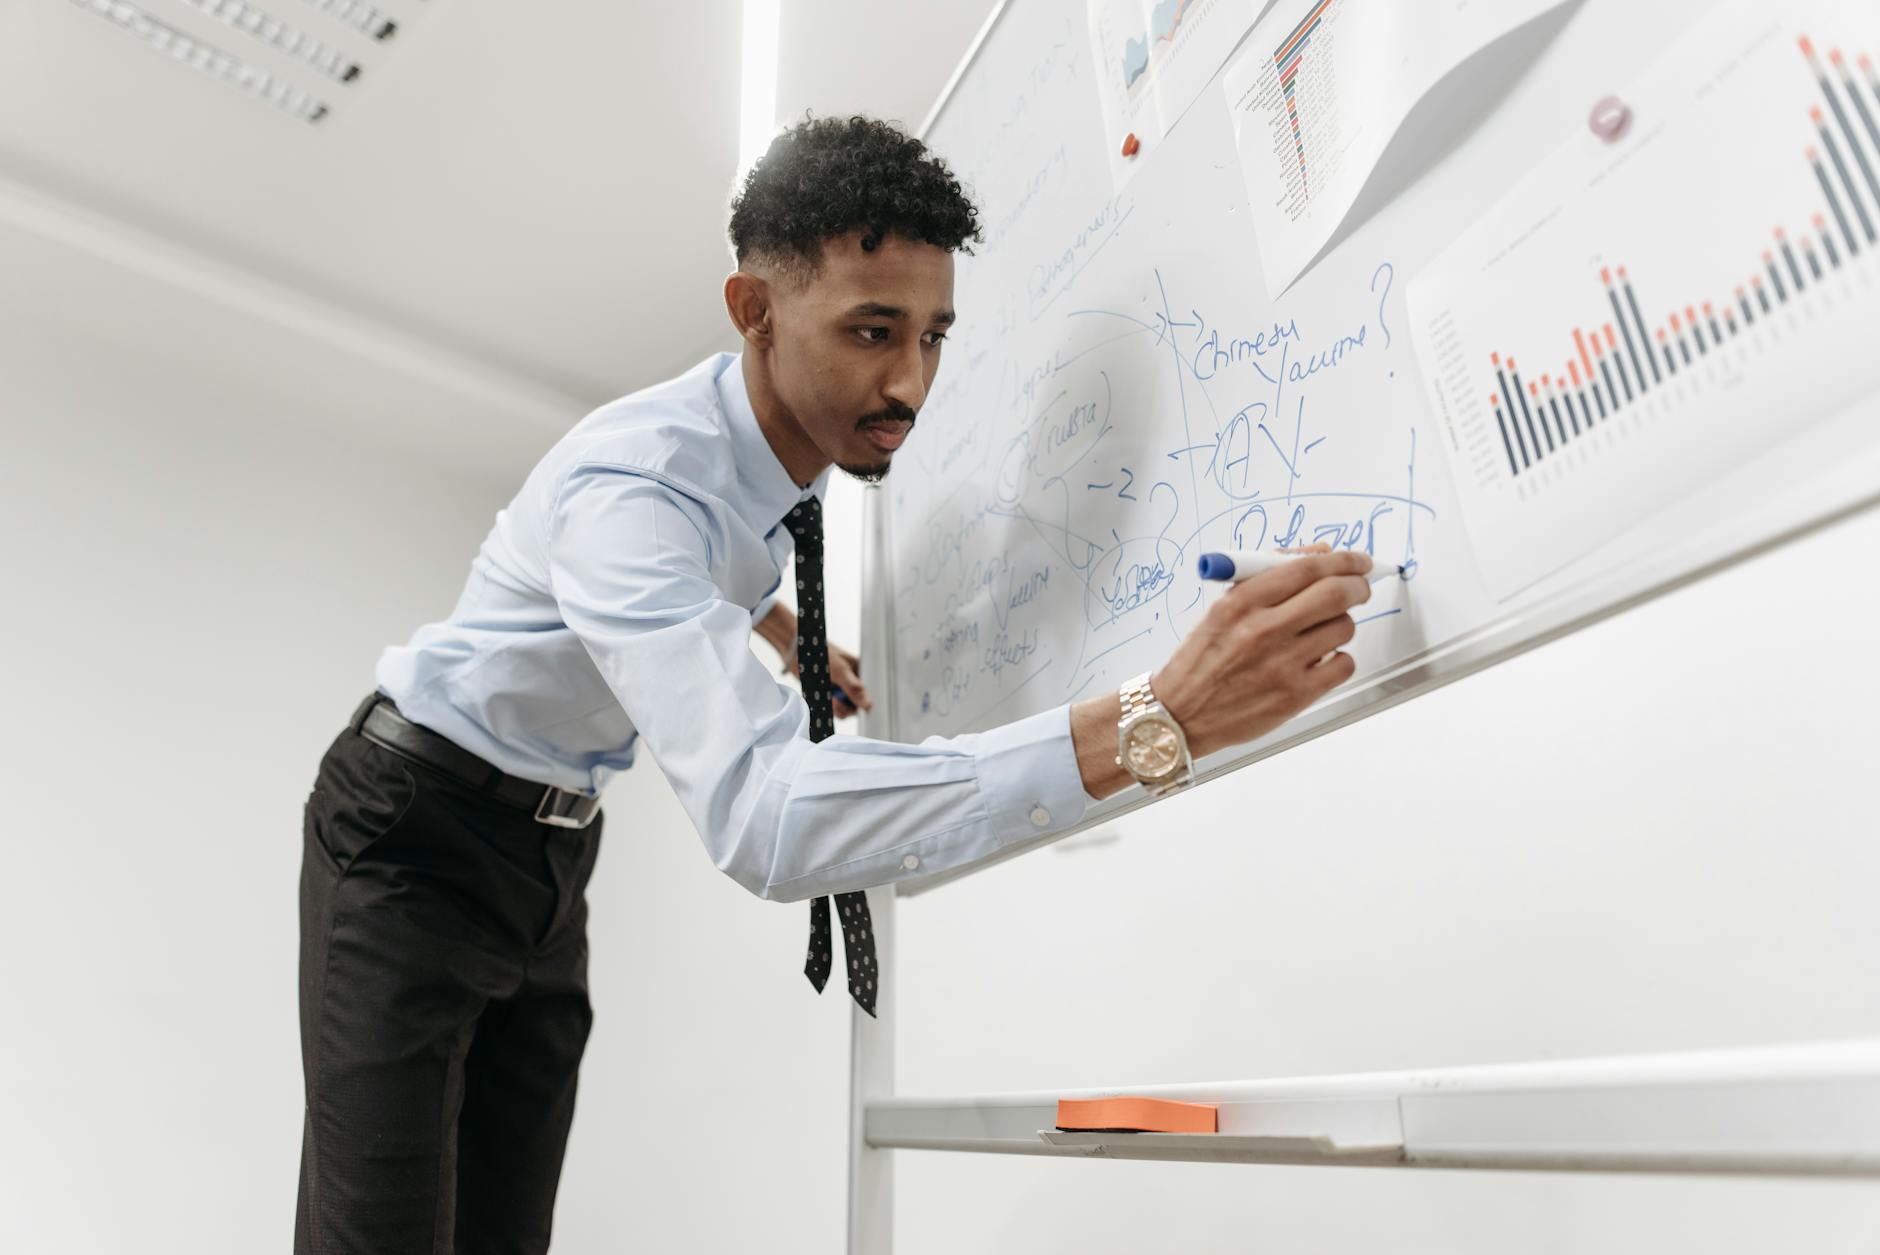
825,177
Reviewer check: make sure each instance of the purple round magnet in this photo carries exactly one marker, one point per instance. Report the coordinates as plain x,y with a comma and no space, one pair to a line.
1609,118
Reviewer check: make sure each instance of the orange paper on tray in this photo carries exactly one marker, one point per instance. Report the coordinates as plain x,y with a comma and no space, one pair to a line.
1135,1115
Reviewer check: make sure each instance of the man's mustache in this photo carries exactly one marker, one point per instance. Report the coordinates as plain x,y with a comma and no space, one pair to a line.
895,413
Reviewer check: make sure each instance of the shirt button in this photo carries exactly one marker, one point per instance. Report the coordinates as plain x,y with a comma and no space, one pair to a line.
1040,817
910,862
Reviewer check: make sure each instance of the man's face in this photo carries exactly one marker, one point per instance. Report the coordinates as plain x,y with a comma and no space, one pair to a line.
857,343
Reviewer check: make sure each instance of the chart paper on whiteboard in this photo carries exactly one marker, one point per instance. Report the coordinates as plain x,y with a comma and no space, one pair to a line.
1317,93
1634,320
1154,57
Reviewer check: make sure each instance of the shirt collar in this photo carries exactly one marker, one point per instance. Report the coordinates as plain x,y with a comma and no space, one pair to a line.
769,492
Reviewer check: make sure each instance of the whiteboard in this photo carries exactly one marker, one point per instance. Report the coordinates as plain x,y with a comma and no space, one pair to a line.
1121,395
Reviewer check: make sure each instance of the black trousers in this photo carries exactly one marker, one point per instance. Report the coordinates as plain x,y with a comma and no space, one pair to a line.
443,1010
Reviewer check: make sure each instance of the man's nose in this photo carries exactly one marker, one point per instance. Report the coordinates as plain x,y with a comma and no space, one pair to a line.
907,384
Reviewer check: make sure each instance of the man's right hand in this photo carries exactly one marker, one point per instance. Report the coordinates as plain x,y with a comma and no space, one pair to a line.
1265,651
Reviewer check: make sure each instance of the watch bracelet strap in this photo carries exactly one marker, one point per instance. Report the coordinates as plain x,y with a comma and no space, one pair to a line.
1136,696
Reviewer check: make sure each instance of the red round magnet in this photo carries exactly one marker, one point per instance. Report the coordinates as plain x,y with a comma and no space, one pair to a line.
1610,118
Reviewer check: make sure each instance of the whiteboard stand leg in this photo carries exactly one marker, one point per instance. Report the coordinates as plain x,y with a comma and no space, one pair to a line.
871,1076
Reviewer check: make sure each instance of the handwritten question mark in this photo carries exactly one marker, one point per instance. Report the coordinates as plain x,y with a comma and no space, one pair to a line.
1390,273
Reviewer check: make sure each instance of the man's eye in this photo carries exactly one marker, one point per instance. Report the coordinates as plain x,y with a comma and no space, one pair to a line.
934,338
874,335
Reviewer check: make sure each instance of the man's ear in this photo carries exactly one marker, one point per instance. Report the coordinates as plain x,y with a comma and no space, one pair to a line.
747,300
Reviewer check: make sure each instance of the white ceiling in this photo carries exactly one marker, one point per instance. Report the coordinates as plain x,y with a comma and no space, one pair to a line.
529,196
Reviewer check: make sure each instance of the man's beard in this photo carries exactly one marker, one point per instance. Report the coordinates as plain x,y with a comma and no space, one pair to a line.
875,472
867,474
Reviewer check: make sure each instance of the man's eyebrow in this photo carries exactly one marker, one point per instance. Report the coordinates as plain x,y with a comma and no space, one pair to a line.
875,309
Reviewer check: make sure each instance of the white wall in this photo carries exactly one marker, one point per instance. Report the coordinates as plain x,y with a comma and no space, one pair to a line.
202,562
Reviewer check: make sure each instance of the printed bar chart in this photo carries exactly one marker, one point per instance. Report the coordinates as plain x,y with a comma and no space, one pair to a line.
1684,338
1287,59
1736,293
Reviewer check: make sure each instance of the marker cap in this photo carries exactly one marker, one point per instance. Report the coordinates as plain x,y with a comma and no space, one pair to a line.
1216,566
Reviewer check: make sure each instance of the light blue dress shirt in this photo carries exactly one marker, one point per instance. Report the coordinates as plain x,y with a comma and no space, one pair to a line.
612,603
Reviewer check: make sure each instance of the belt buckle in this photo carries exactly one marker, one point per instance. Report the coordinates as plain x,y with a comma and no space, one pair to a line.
560,808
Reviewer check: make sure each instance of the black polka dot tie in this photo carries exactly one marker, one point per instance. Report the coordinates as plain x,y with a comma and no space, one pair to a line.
812,656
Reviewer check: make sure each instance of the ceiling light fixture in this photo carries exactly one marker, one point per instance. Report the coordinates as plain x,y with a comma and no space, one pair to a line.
757,115
269,29
197,54
359,16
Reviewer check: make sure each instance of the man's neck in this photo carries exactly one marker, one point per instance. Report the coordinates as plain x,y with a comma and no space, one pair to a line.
800,457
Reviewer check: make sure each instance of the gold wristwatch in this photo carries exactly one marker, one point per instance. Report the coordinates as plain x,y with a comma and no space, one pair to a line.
1150,745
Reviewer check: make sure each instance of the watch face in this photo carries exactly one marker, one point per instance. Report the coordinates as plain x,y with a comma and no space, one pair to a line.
1154,748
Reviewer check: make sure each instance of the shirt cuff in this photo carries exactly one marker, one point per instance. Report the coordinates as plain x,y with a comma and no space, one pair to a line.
1028,776
770,599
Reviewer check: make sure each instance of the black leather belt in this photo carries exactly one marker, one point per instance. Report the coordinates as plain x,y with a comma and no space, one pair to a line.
379,721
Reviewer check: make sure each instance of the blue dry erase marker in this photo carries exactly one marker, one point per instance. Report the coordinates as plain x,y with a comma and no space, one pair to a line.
1245,564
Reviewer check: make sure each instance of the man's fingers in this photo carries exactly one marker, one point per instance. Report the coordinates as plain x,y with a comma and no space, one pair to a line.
1282,583
846,670
1316,642
1328,673
1324,600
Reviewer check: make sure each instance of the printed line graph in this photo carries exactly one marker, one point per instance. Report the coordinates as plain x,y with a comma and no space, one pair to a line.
1139,50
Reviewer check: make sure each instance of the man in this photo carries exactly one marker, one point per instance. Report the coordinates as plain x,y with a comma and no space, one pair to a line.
453,825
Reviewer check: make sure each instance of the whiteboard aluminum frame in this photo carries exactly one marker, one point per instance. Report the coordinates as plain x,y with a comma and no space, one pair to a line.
959,71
